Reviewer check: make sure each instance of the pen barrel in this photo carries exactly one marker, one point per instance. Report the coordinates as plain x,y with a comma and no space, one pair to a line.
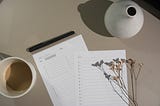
50,41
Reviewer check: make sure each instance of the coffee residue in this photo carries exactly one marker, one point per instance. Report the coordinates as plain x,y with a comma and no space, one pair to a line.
18,76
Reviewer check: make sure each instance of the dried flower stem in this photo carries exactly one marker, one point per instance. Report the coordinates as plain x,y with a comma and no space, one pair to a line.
118,94
116,66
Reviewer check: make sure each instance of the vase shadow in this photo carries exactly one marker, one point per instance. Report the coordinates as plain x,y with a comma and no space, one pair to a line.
92,14
1,1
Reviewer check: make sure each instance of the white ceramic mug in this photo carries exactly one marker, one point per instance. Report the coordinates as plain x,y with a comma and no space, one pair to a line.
17,76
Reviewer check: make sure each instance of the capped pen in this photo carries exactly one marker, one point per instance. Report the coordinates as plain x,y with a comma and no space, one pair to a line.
50,41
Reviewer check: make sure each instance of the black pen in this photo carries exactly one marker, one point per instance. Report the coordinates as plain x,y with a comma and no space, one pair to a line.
50,41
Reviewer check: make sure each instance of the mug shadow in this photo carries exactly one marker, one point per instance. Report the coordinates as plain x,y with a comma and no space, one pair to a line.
92,13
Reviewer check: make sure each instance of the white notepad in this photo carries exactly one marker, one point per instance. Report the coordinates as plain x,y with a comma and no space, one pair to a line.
55,65
92,88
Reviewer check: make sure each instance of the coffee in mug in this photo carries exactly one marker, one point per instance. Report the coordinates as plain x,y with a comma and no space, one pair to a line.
17,77
14,76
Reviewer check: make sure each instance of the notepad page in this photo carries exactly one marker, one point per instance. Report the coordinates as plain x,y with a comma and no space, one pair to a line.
55,65
92,88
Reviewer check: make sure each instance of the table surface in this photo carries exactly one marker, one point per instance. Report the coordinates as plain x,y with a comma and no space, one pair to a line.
26,22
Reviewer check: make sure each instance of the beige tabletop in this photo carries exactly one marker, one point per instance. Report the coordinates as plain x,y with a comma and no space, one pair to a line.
26,22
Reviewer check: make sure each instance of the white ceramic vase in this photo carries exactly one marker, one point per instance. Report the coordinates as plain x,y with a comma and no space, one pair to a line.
124,19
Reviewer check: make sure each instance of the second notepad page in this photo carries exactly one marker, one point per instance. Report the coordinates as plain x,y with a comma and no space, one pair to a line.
92,88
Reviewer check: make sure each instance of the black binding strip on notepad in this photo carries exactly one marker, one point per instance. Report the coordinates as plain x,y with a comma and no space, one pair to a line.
50,41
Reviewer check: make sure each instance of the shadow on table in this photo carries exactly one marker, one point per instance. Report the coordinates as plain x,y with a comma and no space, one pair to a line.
92,13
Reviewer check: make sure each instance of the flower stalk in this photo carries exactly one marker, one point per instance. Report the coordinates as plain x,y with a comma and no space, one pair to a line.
116,78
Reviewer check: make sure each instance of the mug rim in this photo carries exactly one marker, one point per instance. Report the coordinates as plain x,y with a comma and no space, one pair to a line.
33,71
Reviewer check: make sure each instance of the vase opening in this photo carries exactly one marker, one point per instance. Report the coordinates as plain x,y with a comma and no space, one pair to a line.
131,11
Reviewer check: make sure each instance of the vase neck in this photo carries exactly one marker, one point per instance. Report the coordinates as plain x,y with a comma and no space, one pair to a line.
131,11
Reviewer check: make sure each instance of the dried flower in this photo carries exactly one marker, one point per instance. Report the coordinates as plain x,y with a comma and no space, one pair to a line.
123,61
116,66
131,62
115,78
109,64
98,63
